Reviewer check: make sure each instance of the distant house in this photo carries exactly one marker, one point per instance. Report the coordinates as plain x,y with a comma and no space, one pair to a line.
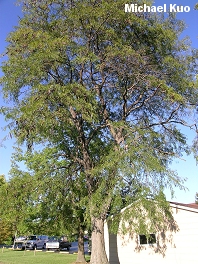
180,247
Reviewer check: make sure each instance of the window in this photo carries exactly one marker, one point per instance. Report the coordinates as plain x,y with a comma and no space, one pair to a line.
147,240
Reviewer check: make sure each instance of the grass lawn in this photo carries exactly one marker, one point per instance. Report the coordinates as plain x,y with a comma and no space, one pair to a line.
9,256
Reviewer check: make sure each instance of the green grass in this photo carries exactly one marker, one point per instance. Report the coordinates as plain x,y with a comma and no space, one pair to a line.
9,256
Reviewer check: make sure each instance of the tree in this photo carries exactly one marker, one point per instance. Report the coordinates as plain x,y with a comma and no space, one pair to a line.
16,203
5,227
108,90
196,198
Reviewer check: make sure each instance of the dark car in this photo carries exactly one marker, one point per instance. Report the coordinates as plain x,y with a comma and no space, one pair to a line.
64,243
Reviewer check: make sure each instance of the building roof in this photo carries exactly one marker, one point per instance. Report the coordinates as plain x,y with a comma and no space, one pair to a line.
190,207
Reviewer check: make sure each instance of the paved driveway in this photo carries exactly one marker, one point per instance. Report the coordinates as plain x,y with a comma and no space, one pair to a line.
74,247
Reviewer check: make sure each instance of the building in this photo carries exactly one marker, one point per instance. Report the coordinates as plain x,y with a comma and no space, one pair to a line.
172,247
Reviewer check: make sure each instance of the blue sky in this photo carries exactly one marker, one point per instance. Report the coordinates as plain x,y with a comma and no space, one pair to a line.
186,168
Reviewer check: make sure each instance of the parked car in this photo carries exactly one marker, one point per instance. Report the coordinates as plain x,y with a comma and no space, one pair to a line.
35,242
58,243
52,243
18,242
64,243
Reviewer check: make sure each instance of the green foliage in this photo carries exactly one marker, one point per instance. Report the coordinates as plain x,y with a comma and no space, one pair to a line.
196,198
16,203
5,232
47,195
2,180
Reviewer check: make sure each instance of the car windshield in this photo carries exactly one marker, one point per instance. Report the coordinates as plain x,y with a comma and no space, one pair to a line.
31,238
53,238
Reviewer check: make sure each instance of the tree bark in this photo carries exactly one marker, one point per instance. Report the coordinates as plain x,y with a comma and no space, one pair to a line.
98,253
81,253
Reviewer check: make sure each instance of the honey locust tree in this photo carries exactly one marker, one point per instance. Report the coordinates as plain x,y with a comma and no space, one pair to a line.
108,89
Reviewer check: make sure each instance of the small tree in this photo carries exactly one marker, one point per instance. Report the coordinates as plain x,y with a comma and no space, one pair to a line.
5,227
15,205
196,198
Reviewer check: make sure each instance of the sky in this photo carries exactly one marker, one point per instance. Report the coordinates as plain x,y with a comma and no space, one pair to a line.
186,168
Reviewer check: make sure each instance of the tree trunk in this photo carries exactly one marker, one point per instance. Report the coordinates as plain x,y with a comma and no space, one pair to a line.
98,253
81,253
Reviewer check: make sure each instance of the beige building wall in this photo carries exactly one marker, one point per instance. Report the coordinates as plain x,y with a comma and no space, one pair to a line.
180,247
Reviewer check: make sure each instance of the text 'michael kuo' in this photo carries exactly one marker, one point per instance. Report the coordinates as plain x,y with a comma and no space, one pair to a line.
135,8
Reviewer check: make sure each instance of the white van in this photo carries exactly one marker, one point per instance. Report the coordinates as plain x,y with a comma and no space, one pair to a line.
35,242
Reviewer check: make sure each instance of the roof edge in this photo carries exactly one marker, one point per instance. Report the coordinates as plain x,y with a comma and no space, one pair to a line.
193,207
